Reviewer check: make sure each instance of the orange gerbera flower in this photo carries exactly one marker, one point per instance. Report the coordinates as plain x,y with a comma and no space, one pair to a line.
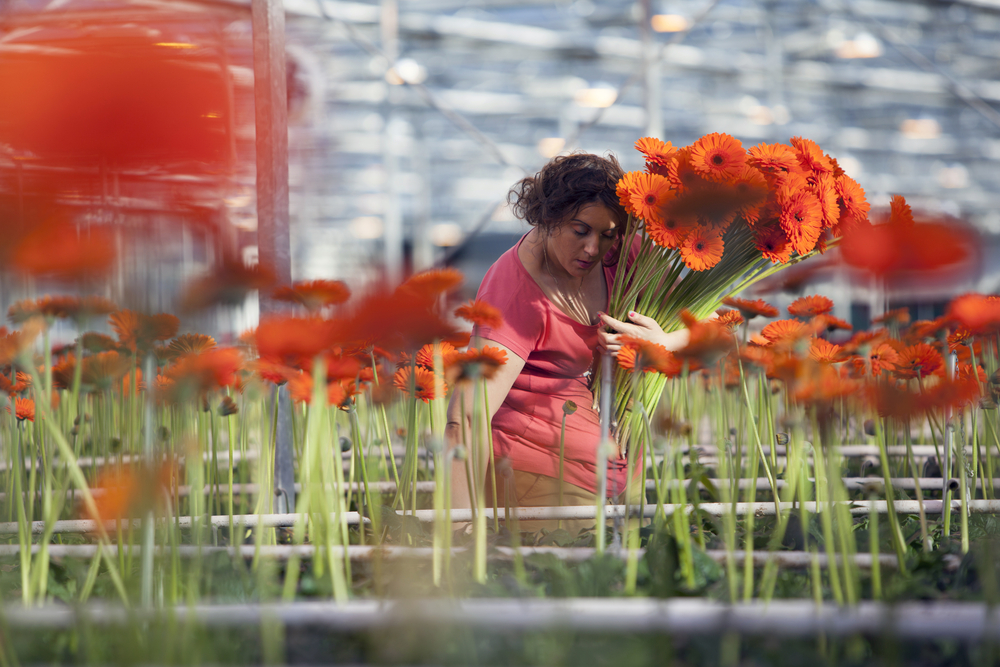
830,323
757,355
425,355
977,313
774,161
826,193
785,331
825,352
670,230
481,314
191,343
421,379
272,371
314,294
772,243
657,152
624,189
21,383
751,190
121,493
883,357
648,194
339,393
137,331
810,306
811,156
432,283
638,353
920,360
103,370
702,249
730,319
718,156
24,408
751,309
682,174
205,372
294,341
473,363
801,218
851,198
707,340
900,212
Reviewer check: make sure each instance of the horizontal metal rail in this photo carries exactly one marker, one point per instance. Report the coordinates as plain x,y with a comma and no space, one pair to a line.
358,553
527,514
964,621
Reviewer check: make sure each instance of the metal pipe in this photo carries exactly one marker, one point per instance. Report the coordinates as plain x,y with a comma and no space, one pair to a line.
965,621
529,514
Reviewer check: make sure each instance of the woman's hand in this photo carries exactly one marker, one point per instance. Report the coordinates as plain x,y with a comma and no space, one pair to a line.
642,327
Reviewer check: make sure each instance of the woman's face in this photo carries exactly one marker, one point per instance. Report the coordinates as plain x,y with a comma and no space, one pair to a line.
579,244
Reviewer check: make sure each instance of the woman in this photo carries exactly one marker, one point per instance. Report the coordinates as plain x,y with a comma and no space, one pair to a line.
552,288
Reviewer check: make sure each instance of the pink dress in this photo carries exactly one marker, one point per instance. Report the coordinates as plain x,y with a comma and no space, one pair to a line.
560,355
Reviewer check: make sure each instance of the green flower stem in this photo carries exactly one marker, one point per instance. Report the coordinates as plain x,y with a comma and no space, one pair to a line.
897,535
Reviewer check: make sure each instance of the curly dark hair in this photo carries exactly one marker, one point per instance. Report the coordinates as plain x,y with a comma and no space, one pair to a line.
564,186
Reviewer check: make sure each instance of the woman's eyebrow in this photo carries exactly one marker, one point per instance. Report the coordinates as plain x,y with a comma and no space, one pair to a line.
581,222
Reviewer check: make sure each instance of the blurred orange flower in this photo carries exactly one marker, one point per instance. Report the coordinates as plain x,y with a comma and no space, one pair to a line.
425,355
122,493
137,331
191,343
976,312
785,331
314,294
707,340
226,284
480,314
731,319
433,283
473,363
294,341
56,248
641,354
52,307
751,309
810,306
825,352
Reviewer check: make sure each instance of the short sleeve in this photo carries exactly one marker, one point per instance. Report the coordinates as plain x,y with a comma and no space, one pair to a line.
505,288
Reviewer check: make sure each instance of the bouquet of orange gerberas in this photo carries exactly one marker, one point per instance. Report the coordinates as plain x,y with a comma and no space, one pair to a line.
713,218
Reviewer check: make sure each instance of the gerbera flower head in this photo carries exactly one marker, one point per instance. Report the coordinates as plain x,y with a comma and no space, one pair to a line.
882,357
682,174
900,212
751,308
314,294
811,157
473,363
52,307
294,341
56,249
801,218
919,360
648,194
827,322
339,393
976,312
197,374
481,314
658,153
191,343
24,409
774,161
425,355
669,230
138,331
825,190
718,156
416,381
731,319
707,340
851,198
825,352
702,249
810,306
783,332
641,354
772,243
433,283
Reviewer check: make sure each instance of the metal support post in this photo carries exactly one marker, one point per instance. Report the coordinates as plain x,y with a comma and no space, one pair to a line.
273,241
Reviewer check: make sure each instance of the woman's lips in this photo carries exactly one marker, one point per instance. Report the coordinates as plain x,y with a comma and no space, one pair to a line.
584,265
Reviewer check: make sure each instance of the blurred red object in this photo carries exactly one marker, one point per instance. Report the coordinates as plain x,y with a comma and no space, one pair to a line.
111,90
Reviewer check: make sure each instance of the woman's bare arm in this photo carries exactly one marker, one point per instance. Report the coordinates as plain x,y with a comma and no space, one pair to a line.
497,388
